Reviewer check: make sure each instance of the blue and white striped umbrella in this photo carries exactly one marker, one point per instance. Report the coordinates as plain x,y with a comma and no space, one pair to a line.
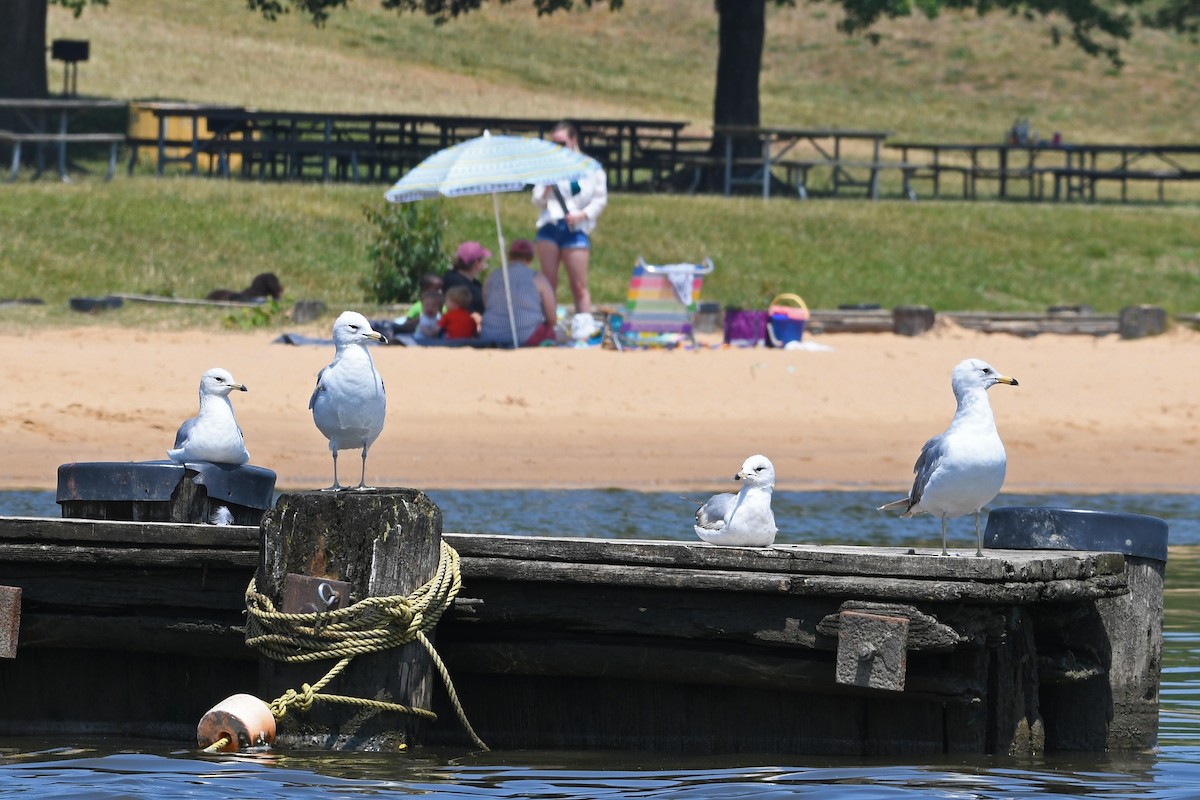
488,164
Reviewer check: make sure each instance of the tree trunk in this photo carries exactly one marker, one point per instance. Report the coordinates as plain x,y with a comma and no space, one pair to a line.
23,48
742,28
741,31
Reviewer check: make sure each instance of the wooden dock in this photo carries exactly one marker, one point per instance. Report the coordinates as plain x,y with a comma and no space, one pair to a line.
136,628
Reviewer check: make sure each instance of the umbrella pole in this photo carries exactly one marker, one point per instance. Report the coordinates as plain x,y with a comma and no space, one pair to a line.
512,322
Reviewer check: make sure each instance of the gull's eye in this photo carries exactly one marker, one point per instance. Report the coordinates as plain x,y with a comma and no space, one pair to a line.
759,469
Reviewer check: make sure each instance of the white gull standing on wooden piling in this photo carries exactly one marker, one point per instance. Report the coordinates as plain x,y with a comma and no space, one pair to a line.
745,518
961,470
213,434
348,404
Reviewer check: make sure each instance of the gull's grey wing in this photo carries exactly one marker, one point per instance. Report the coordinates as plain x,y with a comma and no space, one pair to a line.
185,431
927,463
712,514
318,388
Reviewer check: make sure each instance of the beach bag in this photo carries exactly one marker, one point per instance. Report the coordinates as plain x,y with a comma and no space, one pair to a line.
785,320
745,328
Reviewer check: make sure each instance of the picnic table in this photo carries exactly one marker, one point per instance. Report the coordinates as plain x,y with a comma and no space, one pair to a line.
1088,164
375,147
47,121
1075,168
797,151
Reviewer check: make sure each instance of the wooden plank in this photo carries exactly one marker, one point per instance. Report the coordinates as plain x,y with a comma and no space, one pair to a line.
879,320
160,534
772,621
793,559
842,586
202,590
58,138
1034,324
63,554
681,662
137,634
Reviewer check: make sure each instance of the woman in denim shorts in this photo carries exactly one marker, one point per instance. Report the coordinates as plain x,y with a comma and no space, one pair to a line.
569,210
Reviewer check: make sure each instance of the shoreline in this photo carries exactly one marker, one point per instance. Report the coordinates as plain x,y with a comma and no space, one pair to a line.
1091,415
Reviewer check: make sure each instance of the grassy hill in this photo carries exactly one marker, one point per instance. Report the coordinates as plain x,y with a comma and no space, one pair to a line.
955,77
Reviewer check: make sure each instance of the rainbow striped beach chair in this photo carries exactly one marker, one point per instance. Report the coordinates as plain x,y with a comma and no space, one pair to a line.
662,298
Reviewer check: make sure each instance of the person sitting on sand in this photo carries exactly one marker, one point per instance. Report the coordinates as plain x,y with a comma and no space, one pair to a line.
408,322
534,311
470,260
427,327
457,322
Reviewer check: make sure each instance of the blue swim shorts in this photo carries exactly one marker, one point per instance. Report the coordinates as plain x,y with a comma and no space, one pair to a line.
562,235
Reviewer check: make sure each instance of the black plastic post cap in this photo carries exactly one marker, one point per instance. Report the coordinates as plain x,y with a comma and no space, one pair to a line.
1037,528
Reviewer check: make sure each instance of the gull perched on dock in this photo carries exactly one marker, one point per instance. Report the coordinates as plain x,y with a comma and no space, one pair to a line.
348,403
961,470
744,518
213,434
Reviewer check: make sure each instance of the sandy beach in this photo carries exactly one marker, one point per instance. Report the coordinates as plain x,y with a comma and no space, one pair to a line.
1090,414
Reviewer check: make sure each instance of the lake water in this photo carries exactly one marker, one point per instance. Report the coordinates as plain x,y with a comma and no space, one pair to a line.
82,769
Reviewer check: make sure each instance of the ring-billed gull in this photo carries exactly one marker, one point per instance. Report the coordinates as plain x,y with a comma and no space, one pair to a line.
745,518
213,434
960,471
348,403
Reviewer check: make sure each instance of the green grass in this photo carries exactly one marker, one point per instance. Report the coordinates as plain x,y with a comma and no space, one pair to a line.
183,237
958,77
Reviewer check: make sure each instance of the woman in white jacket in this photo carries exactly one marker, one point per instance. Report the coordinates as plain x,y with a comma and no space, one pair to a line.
569,210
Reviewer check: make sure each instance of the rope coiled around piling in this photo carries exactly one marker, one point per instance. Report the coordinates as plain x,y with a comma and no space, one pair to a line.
371,625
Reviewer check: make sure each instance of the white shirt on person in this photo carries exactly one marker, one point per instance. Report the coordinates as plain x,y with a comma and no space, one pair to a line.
589,194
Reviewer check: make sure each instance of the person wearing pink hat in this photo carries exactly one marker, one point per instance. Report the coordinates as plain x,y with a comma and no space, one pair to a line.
470,260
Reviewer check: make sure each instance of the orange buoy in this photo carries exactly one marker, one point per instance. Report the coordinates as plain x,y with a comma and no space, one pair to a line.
242,720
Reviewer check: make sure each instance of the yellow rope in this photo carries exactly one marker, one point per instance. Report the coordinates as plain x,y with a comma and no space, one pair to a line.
371,625
217,746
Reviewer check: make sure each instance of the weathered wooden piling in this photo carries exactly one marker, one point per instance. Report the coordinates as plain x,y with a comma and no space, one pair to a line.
1100,662
912,320
381,543
1140,321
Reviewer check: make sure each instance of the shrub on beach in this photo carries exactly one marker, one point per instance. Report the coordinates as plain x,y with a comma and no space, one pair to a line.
406,244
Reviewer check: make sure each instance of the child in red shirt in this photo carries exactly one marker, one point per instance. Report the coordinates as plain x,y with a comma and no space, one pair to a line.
457,322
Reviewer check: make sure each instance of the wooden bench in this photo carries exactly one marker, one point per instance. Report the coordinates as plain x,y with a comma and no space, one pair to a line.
797,172
265,153
17,140
1080,181
193,149
932,172
335,158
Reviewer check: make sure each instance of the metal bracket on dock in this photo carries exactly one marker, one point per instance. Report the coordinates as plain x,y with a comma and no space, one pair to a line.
305,594
872,651
10,620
